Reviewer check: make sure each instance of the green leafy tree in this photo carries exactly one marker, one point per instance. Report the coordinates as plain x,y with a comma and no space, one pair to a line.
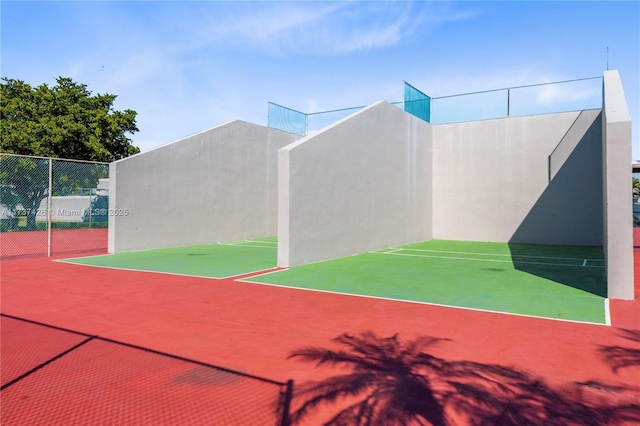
98,210
62,121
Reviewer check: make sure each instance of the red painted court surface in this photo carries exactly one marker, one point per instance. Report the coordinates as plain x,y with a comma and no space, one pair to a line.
63,241
122,347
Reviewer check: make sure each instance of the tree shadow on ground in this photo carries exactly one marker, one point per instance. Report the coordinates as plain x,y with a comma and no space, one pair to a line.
621,357
393,382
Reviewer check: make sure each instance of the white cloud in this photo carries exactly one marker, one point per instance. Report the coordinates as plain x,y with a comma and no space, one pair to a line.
574,92
306,29
447,82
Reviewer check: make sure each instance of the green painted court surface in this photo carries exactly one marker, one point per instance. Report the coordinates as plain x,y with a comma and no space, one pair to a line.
555,282
547,281
210,260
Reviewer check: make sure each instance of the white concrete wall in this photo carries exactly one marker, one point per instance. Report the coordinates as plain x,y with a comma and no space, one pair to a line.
362,184
215,186
618,225
492,180
67,208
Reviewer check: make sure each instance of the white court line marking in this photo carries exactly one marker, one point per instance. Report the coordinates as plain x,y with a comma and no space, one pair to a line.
262,272
81,257
245,245
263,242
495,254
486,260
416,302
136,270
178,274
606,301
261,275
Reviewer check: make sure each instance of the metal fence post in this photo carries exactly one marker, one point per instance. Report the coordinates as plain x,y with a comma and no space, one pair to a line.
286,405
49,205
90,209
508,103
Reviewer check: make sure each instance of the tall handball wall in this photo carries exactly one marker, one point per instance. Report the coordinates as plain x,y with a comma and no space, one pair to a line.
535,179
215,186
361,184
616,153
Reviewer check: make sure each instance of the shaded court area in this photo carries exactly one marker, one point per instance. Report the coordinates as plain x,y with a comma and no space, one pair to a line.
56,376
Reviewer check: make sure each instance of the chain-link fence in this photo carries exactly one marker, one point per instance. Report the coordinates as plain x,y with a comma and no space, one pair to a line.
52,206
635,203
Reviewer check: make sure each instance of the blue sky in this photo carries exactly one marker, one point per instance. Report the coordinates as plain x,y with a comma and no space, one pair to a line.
188,66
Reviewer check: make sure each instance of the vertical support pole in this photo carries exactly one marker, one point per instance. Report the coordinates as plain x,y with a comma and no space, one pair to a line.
286,405
508,103
49,206
90,209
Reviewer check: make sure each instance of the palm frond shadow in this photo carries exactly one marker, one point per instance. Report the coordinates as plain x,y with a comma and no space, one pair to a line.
392,382
621,357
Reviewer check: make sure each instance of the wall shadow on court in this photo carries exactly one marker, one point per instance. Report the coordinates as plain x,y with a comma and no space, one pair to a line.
570,273
569,212
387,381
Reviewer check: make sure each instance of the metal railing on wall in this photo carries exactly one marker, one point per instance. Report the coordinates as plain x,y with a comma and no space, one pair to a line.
52,206
543,98
518,101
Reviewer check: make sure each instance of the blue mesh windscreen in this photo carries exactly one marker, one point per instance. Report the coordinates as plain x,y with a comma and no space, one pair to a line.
287,119
417,103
